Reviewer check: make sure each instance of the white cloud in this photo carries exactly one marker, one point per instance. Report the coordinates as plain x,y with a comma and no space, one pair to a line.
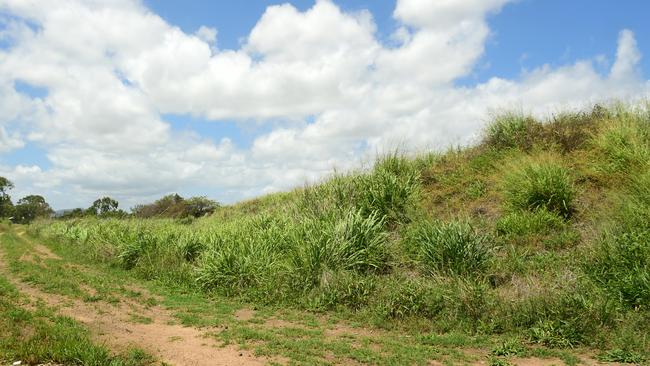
320,84
207,34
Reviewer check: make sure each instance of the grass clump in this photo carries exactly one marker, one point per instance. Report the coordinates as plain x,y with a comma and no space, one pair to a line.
511,130
391,189
453,248
624,142
621,264
520,223
540,185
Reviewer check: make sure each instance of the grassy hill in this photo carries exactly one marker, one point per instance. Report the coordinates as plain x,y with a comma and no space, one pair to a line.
540,232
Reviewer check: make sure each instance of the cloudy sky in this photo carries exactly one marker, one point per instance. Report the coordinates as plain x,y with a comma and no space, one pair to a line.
232,99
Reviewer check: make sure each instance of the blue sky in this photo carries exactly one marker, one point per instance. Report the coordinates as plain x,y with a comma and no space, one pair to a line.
130,101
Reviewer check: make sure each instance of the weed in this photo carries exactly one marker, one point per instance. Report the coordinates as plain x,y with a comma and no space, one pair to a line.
510,347
620,355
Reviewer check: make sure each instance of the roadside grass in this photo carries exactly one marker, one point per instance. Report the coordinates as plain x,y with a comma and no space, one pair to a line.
301,337
32,333
538,232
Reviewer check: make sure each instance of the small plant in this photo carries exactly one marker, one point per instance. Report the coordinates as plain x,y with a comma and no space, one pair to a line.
540,186
453,248
495,361
620,355
511,347
476,189
555,333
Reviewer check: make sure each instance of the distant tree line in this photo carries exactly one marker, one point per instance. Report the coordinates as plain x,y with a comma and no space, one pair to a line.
32,207
175,206
170,206
26,209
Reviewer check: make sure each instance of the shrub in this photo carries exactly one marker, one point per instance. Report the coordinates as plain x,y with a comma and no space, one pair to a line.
453,248
570,131
540,186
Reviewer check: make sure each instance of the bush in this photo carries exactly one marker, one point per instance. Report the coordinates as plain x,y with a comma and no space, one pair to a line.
540,186
453,248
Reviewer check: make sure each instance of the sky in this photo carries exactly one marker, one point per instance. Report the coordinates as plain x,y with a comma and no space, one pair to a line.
135,99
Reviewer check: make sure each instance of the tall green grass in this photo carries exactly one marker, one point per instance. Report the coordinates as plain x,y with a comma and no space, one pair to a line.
540,231
544,185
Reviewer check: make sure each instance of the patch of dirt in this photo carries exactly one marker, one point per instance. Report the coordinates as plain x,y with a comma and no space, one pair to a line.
29,258
244,314
281,323
45,252
111,325
340,330
532,361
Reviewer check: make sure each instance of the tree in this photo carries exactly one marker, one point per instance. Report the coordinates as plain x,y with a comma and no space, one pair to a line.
175,206
31,207
6,206
200,206
103,206
72,214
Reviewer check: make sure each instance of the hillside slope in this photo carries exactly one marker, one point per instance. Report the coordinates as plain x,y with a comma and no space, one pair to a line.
540,232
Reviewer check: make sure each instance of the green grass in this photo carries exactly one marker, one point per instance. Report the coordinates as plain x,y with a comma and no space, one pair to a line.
37,335
540,185
537,233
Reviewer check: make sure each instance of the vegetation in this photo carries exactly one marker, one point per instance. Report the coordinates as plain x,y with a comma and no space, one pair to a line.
34,333
175,206
540,233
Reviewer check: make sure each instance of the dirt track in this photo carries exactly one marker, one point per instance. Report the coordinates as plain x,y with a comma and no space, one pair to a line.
113,325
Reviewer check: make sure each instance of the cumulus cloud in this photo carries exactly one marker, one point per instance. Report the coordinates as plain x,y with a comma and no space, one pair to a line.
320,86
